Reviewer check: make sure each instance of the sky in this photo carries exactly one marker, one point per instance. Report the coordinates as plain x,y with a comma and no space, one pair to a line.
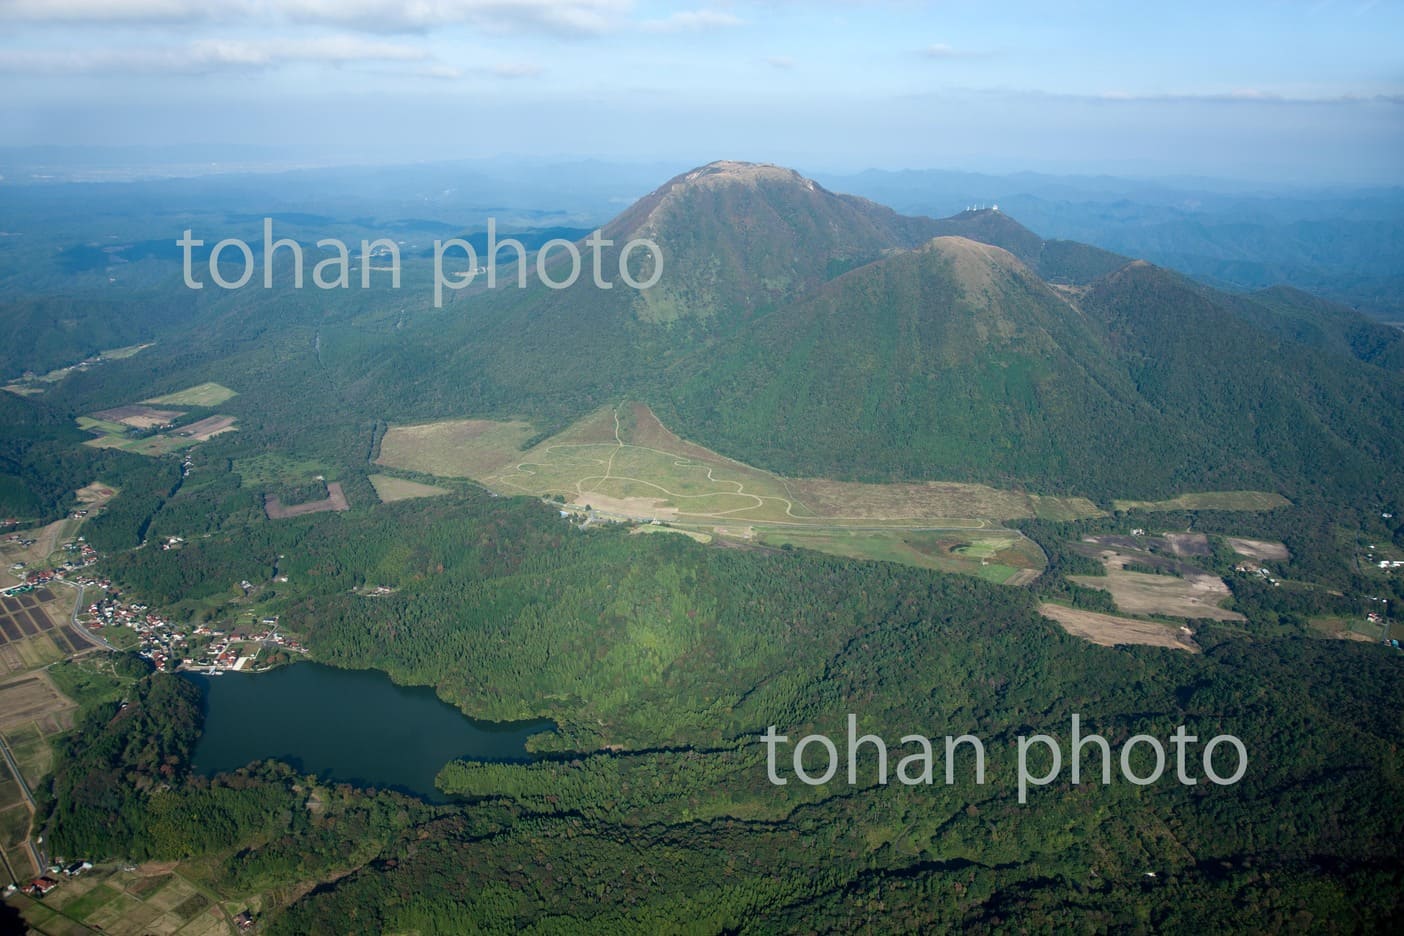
1250,89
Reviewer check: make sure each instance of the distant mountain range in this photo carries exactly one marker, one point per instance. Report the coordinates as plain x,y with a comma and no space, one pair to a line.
1347,244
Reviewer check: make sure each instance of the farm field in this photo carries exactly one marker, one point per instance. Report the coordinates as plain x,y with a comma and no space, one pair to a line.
457,448
32,711
390,489
35,631
1348,628
623,464
152,445
335,500
1108,630
1259,549
150,899
1211,500
999,556
207,428
137,416
1062,509
32,702
205,394
113,427
1160,550
1173,586
1191,595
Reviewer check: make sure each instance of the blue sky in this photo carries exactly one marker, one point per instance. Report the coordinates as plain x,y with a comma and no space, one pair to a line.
1307,91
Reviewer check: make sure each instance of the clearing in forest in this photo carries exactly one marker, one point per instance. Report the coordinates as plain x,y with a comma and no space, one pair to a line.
622,464
1211,500
1265,550
335,500
1108,630
1189,595
390,489
205,394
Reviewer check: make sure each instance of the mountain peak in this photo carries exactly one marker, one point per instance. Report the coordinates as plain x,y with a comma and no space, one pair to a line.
728,171
739,236
954,245
721,175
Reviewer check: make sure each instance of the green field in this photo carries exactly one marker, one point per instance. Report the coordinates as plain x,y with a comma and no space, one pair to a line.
622,464
117,354
110,434
267,470
459,448
390,489
205,394
1211,500
151,445
994,555
1062,509
89,424
93,900
106,899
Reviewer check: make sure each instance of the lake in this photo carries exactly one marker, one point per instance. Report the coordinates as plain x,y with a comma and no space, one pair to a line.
352,726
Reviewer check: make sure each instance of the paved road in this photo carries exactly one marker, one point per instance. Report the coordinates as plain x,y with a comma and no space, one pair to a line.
34,856
82,631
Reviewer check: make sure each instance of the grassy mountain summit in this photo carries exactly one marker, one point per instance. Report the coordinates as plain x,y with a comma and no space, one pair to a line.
742,237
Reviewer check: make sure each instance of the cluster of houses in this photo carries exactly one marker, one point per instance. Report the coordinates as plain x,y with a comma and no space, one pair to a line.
239,650
170,645
1248,567
160,640
79,555
1379,620
202,647
224,652
1385,564
44,884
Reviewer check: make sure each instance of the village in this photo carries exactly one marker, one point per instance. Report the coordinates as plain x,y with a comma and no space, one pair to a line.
168,644
171,645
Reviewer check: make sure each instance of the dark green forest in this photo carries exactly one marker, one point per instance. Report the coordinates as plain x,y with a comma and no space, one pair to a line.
661,661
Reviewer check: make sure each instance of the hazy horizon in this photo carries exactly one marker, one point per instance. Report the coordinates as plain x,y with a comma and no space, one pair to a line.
1272,93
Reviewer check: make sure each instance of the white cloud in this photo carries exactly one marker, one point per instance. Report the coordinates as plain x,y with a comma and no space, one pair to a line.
120,11
558,16
203,55
691,21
